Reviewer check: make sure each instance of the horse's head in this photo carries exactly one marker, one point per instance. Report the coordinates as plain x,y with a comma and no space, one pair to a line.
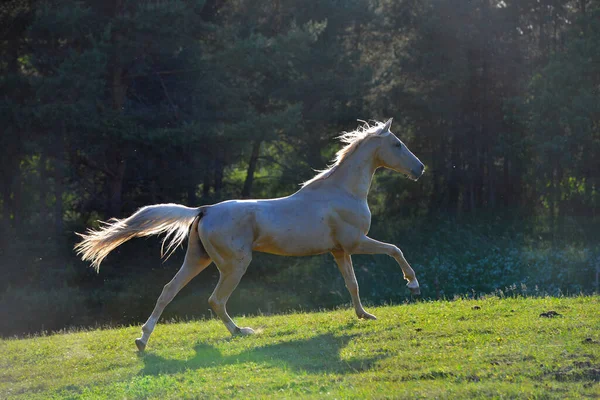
393,154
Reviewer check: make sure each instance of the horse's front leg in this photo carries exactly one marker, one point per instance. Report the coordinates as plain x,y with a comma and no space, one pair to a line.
371,246
344,263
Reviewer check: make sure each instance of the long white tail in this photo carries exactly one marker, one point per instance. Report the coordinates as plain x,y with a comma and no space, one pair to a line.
172,219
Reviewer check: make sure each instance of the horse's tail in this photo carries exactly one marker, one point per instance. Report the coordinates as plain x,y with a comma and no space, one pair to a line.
172,219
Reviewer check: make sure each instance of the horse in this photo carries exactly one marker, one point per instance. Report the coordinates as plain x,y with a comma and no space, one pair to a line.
329,213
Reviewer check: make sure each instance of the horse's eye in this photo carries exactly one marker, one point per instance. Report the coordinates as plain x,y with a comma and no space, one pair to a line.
399,145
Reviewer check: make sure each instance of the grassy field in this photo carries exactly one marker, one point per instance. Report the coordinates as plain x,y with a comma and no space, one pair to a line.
498,348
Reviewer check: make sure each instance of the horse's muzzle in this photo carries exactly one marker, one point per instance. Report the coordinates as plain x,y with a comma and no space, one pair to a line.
416,174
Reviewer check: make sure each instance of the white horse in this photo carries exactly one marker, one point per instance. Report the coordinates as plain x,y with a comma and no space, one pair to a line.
328,214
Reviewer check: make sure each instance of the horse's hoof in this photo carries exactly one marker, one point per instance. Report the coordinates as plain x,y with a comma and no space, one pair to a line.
416,291
366,315
245,331
141,346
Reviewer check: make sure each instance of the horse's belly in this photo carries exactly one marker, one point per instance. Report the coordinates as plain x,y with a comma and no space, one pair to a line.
293,247
295,237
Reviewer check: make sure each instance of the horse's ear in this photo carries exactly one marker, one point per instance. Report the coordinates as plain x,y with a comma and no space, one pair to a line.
387,126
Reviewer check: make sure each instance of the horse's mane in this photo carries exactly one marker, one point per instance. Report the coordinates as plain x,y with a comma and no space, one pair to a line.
351,140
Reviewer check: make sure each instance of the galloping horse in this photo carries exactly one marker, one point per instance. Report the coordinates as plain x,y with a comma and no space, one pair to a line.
328,214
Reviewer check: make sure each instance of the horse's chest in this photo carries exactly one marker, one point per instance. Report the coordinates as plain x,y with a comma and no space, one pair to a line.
357,218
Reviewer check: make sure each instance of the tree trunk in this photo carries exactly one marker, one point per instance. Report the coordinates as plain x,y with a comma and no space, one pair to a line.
16,202
314,157
218,173
507,188
44,179
438,172
247,189
191,195
206,184
453,179
58,198
115,187
6,209
118,89
552,203
10,182
115,159
560,203
12,152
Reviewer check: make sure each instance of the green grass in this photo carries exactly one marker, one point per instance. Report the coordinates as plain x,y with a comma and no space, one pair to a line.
498,348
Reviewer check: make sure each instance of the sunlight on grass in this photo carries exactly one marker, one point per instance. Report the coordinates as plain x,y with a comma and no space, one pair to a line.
492,347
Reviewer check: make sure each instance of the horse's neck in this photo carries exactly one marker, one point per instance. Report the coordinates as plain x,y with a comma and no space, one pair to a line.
355,173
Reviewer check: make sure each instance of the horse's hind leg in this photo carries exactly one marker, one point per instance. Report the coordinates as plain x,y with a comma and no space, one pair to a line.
195,261
231,274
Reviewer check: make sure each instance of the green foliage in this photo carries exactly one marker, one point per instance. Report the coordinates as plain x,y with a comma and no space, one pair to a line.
110,105
451,258
564,119
465,349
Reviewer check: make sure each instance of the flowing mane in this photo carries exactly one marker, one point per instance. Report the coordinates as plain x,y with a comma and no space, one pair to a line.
351,140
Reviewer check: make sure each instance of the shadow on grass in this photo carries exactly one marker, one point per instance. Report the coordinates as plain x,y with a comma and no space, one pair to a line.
316,355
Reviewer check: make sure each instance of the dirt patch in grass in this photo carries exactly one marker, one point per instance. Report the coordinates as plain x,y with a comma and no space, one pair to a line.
579,371
550,314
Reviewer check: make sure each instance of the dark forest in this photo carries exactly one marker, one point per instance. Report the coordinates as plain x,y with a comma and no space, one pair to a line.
110,105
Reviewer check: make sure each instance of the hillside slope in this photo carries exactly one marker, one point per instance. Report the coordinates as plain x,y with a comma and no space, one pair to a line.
485,348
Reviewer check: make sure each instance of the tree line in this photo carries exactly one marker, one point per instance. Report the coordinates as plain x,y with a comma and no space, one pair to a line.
110,105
